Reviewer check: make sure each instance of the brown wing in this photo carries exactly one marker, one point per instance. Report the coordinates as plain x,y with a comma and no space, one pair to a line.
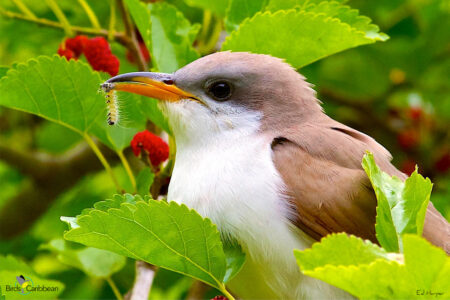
321,165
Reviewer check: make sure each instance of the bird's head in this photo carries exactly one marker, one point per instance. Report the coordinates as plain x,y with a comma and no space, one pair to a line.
226,91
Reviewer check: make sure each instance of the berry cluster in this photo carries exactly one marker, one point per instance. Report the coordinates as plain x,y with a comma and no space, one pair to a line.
72,48
97,51
156,148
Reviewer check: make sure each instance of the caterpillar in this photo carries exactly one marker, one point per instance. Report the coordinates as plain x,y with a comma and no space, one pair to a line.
111,102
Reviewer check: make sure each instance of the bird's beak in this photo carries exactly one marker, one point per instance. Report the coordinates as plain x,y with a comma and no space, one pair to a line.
155,85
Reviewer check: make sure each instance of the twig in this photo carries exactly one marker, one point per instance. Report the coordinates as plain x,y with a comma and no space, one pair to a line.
133,45
60,16
90,13
120,37
24,9
103,160
27,163
112,20
145,273
127,168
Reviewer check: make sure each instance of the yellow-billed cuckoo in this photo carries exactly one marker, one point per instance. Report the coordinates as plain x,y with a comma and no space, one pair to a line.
257,155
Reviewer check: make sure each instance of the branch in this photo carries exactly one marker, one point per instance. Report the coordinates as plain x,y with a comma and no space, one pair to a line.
119,37
133,44
28,163
145,273
60,16
90,13
24,9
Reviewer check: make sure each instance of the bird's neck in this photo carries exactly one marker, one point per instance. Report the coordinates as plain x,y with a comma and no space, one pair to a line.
205,129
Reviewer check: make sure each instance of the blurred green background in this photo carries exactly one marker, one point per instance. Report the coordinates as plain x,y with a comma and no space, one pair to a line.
397,91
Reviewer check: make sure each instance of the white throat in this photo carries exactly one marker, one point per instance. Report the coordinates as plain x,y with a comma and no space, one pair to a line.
224,170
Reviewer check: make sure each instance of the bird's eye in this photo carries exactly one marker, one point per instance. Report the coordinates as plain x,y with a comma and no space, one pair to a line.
220,90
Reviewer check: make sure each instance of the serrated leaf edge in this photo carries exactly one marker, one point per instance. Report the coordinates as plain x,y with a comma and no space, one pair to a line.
36,60
91,212
294,11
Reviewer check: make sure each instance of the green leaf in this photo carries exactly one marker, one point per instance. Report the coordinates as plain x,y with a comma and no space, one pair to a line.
275,5
142,19
172,36
357,251
349,16
3,71
149,109
65,92
54,138
219,7
92,261
311,36
163,234
239,10
11,267
235,260
55,89
144,181
401,205
167,33
428,265
369,275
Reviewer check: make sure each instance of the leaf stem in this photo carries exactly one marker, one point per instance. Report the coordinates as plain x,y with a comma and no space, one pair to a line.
114,288
226,293
127,168
90,13
112,20
103,160
60,16
209,34
24,9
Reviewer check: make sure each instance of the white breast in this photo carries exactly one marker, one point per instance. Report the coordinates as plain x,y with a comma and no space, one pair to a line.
235,184
226,173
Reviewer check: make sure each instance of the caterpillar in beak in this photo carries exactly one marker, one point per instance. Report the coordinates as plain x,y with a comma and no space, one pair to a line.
111,102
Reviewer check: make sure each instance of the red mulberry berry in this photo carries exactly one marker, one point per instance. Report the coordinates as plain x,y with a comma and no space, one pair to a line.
67,53
77,44
156,147
98,54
